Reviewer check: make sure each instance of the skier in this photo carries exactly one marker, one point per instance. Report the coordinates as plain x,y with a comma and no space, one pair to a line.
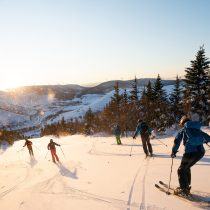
145,133
51,147
29,146
193,139
117,133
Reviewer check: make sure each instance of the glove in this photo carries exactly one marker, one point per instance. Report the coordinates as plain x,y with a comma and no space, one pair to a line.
134,137
173,155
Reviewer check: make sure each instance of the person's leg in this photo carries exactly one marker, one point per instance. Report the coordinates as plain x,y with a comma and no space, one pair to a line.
53,154
184,173
149,145
56,157
32,152
144,145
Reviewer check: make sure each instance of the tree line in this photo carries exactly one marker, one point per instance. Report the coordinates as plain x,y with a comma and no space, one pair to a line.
189,96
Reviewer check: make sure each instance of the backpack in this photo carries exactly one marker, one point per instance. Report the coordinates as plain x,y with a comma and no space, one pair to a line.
194,137
144,128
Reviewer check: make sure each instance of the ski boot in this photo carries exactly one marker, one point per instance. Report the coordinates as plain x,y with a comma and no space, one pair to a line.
182,191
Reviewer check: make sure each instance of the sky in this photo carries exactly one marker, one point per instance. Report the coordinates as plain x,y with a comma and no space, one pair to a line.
46,42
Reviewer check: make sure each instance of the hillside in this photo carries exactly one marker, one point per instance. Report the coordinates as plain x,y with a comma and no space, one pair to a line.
36,106
95,174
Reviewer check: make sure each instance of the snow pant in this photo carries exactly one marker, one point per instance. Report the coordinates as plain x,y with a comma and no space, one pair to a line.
118,139
54,155
184,172
146,144
31,153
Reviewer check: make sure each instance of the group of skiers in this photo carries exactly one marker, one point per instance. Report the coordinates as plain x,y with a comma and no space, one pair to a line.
193,139
50,146
190,133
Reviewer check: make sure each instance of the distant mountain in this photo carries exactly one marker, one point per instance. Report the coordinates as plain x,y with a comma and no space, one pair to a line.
27,109
108,86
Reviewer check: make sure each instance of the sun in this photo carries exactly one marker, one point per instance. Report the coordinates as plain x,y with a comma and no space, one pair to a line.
12,81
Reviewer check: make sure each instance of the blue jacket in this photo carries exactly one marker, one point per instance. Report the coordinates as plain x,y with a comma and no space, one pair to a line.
117,131
139,129
192,126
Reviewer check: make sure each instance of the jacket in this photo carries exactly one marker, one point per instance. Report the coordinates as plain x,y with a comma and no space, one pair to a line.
140,129
191,127
51,145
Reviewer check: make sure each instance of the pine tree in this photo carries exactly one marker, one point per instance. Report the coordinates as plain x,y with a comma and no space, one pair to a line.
89,122
160,119
134,91
115,103
124,113
196,85
176,102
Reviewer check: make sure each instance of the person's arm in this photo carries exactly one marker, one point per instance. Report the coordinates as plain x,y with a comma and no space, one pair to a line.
24,144
206,137
138,128
57,144
177,142
48,146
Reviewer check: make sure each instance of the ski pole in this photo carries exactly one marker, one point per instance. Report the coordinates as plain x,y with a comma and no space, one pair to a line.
207,144
62,151
162,143
131,147
168,193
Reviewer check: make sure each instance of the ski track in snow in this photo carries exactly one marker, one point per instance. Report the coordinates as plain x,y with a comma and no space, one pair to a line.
133,184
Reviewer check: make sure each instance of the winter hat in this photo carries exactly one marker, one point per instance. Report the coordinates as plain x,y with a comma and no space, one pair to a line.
195,117
183,120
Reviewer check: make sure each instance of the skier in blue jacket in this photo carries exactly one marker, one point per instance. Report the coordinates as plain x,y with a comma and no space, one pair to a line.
193,140
145,133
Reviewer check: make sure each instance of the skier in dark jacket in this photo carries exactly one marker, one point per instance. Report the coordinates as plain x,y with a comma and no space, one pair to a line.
51,147
193,140
117,133
145,133
29,146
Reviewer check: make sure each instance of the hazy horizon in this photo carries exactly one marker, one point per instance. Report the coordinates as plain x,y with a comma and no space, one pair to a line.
79,42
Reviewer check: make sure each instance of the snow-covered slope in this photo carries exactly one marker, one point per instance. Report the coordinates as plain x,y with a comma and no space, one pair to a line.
95,174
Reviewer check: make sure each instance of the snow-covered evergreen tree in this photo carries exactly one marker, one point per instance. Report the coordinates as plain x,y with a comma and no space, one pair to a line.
176,101
160,119
197,85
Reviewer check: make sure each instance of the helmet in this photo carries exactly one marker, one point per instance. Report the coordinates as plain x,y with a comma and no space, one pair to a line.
140,120
183,120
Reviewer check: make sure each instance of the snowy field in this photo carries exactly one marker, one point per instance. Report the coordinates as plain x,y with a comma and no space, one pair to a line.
95,174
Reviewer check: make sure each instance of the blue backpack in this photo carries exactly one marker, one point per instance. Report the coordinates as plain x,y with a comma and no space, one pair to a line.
194,136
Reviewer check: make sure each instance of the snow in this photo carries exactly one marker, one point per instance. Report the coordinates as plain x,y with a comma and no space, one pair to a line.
95,174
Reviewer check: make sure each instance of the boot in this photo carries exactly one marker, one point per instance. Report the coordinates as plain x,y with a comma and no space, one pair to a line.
182,191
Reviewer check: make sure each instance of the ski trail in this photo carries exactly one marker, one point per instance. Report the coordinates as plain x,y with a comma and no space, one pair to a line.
47,187
133,184
14,187
143,205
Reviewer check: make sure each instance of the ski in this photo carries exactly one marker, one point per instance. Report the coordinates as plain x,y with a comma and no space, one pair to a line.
191,198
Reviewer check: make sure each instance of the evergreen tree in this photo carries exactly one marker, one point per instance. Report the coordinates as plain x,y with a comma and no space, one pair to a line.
160,118
176,102
134,91
158,91
89,122
115,103
124,113
196,85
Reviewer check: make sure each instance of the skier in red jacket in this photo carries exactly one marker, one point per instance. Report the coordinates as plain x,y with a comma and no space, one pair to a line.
29,146
51,147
